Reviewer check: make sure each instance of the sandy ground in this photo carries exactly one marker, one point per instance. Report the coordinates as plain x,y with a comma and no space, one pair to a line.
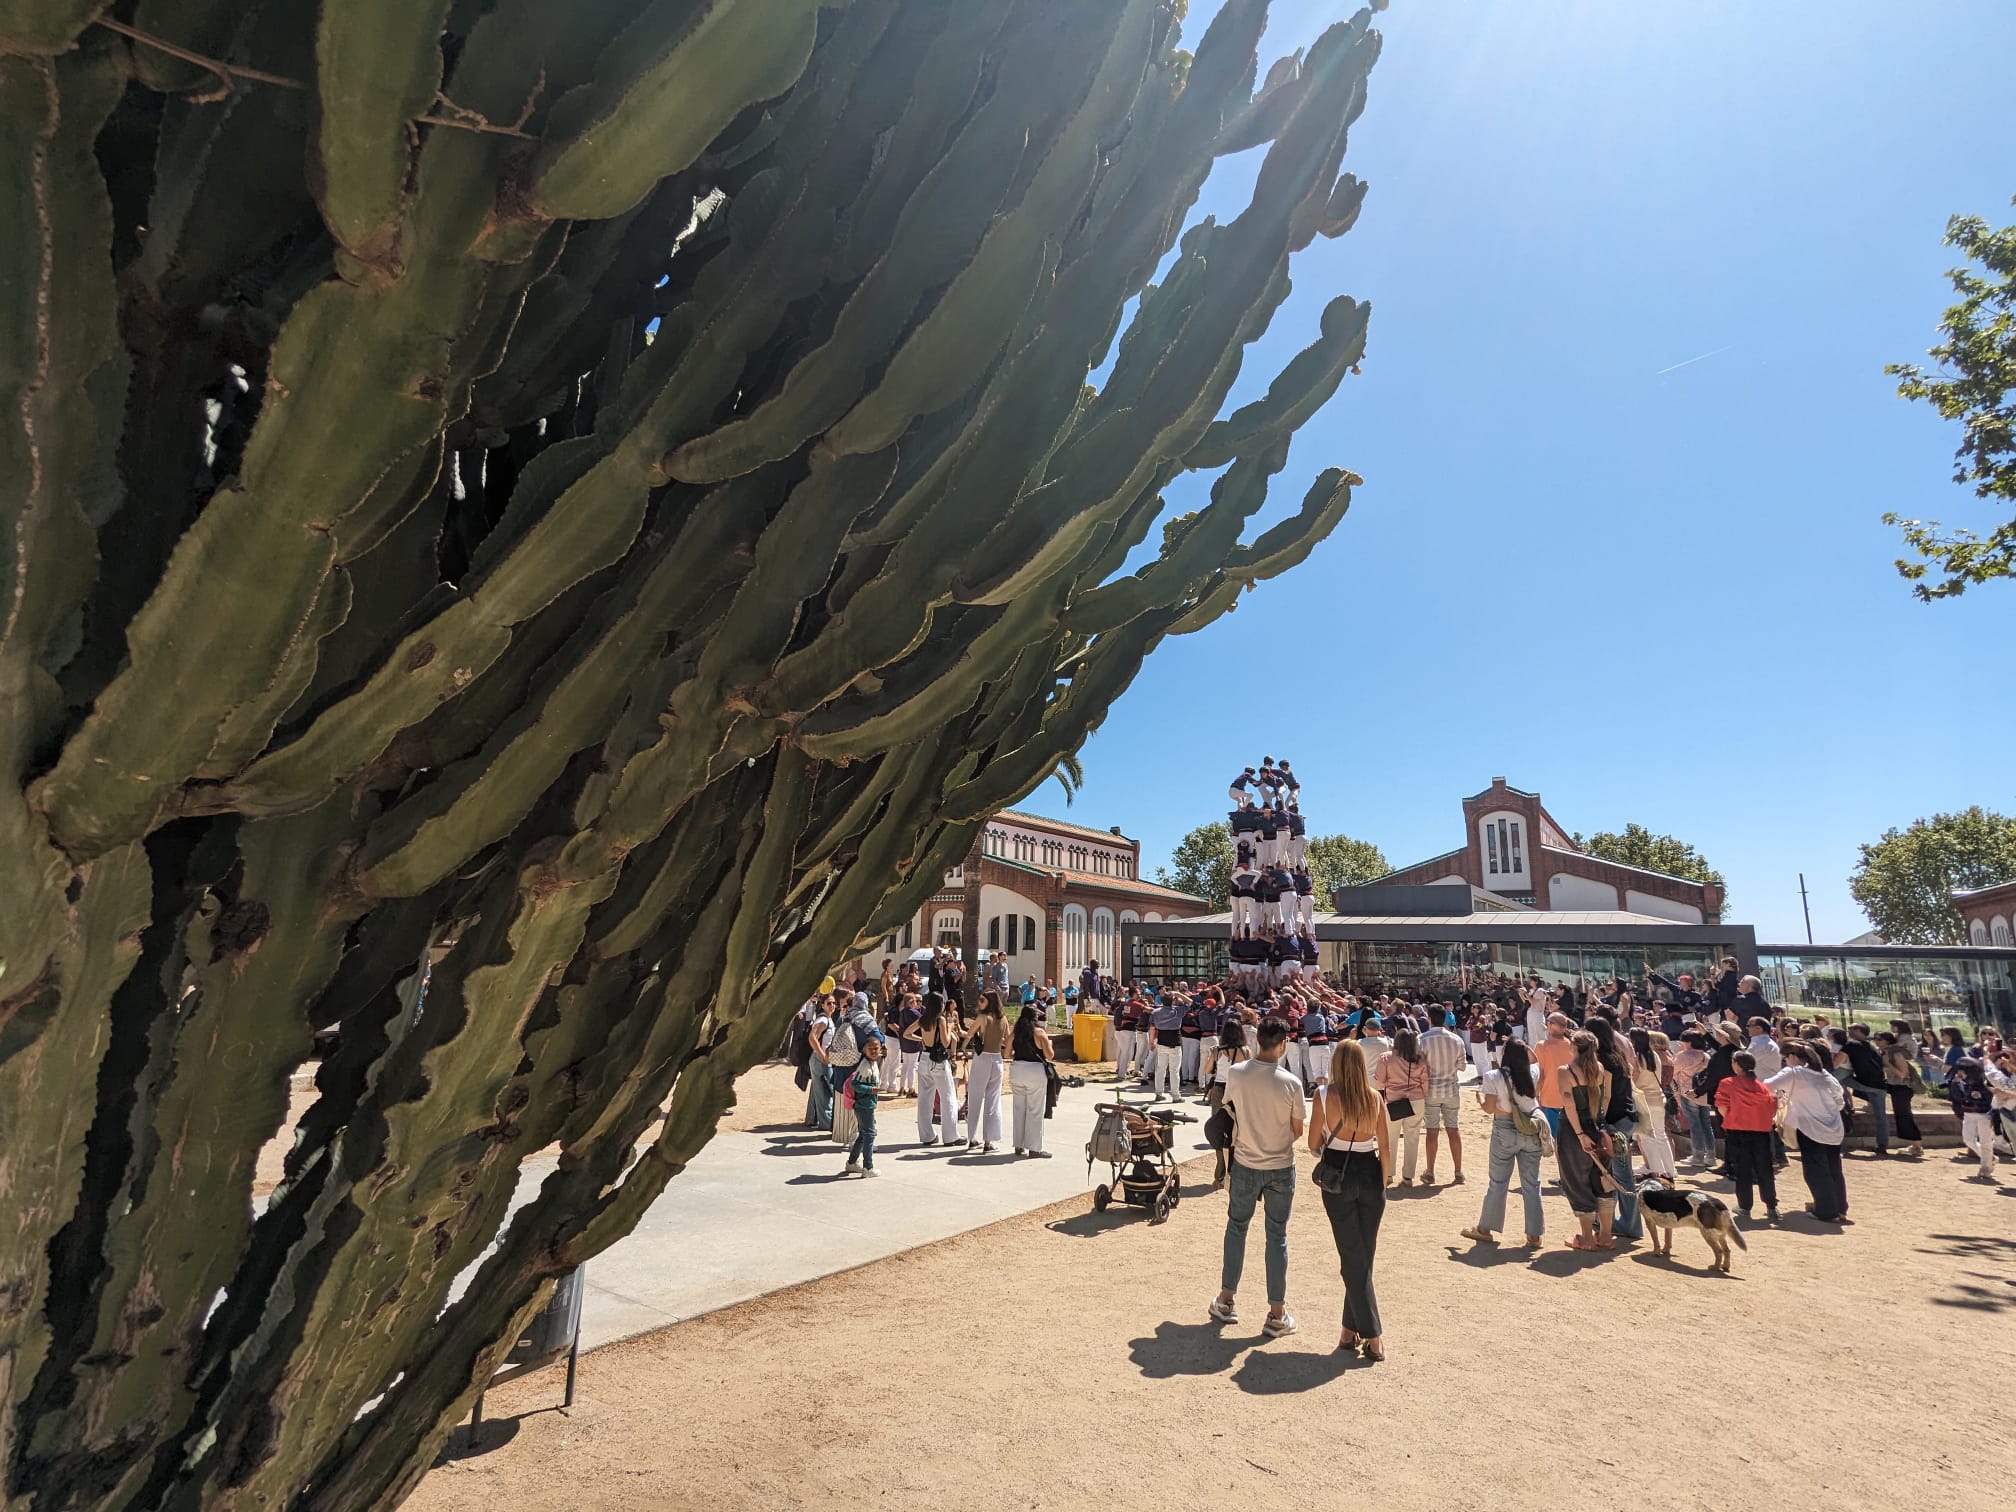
1062,1359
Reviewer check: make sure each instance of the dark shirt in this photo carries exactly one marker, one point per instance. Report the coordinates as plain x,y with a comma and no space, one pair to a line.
1864,1062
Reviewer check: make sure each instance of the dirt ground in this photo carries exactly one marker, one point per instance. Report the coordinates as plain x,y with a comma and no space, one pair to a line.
1063,1359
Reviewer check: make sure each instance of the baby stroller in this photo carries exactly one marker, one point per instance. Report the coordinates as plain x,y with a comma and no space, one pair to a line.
1139,1145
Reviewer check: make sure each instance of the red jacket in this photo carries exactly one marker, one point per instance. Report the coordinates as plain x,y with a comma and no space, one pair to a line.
1747,1105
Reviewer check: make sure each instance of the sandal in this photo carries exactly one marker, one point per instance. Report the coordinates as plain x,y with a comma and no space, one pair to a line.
1376,1353
1587,1246
1481,1235
1348,1341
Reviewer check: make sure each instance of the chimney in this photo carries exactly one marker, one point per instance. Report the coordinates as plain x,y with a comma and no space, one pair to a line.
1115,830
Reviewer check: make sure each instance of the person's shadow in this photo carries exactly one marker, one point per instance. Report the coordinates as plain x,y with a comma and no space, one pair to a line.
1270,1372
1187,1349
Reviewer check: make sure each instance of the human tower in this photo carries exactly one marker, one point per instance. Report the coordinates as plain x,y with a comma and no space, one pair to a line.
1273,895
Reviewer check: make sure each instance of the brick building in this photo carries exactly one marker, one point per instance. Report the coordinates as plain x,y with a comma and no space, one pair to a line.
1515,850
1047,894
1988,914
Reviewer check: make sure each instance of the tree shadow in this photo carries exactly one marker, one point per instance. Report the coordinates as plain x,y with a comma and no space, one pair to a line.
1998,1296
1188,1349
1972,1246
1271,1372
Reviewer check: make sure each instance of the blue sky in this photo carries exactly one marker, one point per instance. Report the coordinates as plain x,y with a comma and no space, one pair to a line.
1651,592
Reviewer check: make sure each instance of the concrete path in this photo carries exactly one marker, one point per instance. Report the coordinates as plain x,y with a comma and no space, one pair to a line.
757,1212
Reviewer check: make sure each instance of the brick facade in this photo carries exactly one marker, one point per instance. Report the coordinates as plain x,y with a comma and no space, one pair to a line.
1988,914
1516,850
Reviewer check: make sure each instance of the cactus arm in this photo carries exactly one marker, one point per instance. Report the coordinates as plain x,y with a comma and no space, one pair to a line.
44,26
1042,67
61,365
1303,387
377,66
663,90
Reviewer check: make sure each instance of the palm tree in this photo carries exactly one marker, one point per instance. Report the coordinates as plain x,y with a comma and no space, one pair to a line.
1070,775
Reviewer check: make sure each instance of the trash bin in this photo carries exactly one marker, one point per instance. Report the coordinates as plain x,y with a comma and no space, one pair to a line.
1088,1036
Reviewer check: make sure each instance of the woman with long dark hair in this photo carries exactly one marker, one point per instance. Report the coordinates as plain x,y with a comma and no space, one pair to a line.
1814,1099
1620,1123
1650,1074
1509,1095
1029,1081
938,1039
1347,1132
1231,1051
1903,1081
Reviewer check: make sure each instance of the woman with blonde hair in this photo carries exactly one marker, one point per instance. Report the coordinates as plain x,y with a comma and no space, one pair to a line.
1583,1151
1348,1134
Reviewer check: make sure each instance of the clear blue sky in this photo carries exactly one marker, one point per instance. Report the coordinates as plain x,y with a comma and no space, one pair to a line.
1662,597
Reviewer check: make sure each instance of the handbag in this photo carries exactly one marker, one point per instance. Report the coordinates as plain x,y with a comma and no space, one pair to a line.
1534,1122
1327,1177
1400,1107
1218,1128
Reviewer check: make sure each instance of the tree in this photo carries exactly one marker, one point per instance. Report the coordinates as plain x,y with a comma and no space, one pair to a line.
1974,383
1339,861
1638,846
1201,864
1905,879
600,499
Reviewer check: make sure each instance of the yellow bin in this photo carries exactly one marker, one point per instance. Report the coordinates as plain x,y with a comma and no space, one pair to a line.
1088,1036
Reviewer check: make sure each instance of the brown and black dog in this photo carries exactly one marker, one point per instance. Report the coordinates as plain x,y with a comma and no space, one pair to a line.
1667,1208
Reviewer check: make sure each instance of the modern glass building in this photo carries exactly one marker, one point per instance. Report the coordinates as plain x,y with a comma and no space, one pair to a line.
1964,986
1449,940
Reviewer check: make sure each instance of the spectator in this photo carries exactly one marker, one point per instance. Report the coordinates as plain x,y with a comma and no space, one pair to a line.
1813,1104
1539,1004
1029,1081
866,1086
1445,1055
1507,1094
938,1036
908,1043
1582,1152
1902,1080
1266,1103
1401,1077
1620,1123
1974,1103
819,1088
1868,1081
983,1076
1231,1051
1748,1112
1166,1023
1348,1135
1651,1076
1550,1059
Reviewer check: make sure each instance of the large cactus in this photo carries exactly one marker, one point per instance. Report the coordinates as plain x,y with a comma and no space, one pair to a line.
605,496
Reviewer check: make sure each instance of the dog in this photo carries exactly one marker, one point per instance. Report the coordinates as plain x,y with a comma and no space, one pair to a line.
1666,1208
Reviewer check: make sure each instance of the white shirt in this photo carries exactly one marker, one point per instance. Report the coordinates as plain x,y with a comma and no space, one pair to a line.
1813,1102
1267,1107
1538,1006
1769,1061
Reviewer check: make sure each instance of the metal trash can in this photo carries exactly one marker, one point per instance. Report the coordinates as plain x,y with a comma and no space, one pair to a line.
552,1334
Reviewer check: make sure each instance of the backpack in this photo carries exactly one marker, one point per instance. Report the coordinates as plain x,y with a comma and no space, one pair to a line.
1700,1083
844,1048
1111,1143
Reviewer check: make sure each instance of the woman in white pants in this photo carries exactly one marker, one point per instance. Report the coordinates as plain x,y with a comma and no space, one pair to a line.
1122,1029
1029,1081
983,1077
940,1038
1400,1076
1652,1069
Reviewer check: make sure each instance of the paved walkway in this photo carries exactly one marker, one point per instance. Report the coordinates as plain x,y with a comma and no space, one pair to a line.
757,1212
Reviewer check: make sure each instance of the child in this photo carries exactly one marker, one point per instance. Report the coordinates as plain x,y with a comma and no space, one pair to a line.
1973,1102
867,1085
1748,1110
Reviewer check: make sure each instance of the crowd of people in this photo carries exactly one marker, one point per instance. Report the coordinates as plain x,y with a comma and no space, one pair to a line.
1619,1085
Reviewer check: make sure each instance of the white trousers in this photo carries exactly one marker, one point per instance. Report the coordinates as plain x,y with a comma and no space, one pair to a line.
1305,909
1298,850
906,1075
1480,1056
1243,910
1406,1132
983,1098
1657,1147
1315,1063
1240,797
1977,1132
936,1076
1029,1088
1192,1049
1125,1043
1168,1070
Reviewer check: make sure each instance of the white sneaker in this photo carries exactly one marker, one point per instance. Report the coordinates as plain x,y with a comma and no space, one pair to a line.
871,1171
853,1169
1278,1328
1223,1312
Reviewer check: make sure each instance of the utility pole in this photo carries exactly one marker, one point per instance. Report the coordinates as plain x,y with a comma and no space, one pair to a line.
1803,908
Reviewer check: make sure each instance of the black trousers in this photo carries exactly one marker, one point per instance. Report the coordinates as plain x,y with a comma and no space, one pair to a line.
1354,1215
1821,1164
1901,1114
1752,1166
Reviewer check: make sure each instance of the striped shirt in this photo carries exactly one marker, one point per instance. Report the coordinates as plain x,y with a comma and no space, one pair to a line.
1446,1055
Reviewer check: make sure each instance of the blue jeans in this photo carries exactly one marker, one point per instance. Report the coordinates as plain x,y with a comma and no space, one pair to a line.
1248,1188
819,1098
863,1153
1878,1099
1629,1224
1509,1148
1553,1121
1700,1129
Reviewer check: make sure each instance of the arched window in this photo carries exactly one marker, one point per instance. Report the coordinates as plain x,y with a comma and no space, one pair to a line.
1998,930
1102,937
945,927
1028,931
994,933
1074,937
1977,933
1128,916
1151,917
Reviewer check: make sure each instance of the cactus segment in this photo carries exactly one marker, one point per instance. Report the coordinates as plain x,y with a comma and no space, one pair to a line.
44,26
